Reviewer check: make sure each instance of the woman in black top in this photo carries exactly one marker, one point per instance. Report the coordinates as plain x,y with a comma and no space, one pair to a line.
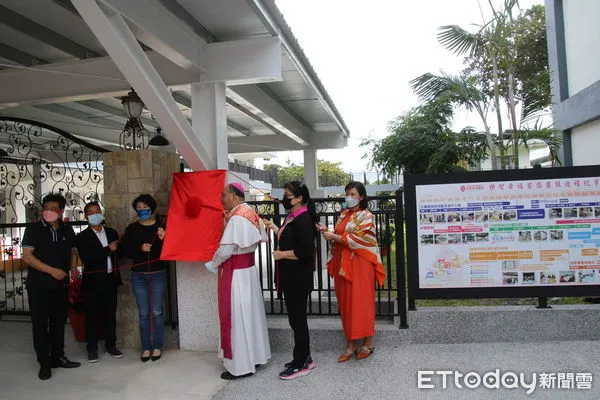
142,242
295,265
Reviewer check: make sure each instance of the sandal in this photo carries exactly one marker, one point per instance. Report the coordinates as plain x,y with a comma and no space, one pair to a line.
346,355
364,352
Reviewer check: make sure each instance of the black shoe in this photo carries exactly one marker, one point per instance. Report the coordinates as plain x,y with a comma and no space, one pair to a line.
228,376
309,363
114,352
145,358
64,362
92,356
45,372
156,358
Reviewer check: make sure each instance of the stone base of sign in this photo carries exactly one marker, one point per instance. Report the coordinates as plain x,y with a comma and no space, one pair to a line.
504,324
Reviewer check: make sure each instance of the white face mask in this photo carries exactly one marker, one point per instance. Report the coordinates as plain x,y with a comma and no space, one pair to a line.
351,202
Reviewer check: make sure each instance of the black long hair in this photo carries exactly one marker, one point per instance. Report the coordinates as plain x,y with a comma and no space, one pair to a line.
299,189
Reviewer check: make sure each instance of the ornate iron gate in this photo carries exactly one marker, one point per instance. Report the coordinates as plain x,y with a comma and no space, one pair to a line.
37,159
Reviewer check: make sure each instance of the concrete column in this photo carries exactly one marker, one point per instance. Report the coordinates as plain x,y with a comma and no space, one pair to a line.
311,173
209,120
127,174
196,286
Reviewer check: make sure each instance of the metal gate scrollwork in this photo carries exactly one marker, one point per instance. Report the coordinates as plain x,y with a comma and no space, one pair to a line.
37,159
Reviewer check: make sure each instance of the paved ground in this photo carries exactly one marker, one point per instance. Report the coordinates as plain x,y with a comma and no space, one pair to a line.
179,375
391,373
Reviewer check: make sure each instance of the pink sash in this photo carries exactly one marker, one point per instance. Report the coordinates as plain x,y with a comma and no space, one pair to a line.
238,261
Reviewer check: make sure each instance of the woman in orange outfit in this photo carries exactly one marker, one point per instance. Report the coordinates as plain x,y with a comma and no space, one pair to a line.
355,264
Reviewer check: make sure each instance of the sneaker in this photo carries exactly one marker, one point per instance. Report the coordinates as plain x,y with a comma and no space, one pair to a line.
114,352
309,363
93,356
294,372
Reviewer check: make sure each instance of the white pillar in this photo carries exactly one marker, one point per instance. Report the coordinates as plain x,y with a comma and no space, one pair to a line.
209,119
311,174
196,287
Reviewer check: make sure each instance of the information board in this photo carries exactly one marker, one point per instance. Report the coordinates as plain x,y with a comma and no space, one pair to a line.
519,233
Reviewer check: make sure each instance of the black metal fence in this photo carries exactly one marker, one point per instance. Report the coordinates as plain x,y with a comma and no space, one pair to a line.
255,174
387,211
13,271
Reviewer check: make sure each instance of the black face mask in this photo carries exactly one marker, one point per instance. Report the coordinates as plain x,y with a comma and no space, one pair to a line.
286,203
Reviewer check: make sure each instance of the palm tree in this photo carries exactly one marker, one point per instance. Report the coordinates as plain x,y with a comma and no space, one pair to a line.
547,135
461,90
490,41
504,20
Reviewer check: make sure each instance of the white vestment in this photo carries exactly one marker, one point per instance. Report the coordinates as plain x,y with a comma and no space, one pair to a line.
249,336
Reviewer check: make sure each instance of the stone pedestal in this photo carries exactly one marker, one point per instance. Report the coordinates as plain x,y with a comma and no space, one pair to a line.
198,307
128,174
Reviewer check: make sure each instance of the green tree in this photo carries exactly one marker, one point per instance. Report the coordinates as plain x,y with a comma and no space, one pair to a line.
331,174
460,90
544,134
531,64
508,56
485,43
291,172
421,141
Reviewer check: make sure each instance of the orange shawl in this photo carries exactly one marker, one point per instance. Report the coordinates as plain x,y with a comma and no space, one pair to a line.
360,238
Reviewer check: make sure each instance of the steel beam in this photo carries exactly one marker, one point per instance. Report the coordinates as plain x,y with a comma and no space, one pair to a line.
78,80
184,101
113,111
155,26
120,43
30,28
76,114
276,114
19,57
270,143
242,62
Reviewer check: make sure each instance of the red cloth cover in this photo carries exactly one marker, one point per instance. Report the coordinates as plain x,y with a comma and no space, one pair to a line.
195,217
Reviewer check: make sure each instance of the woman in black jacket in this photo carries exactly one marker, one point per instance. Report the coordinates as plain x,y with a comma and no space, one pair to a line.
295,266
142,242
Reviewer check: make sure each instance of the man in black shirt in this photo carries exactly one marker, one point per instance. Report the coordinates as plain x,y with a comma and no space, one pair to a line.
48,251
96,246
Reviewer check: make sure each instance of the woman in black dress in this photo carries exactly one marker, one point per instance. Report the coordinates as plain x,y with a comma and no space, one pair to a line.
295,257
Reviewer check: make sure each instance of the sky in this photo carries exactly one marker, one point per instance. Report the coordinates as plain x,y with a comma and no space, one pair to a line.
365,53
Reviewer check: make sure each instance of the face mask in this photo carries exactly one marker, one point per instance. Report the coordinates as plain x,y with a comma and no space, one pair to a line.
144,214
50,216
351,202
286,203
95,219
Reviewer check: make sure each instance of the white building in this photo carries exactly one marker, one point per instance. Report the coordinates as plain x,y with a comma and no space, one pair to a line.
573,28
